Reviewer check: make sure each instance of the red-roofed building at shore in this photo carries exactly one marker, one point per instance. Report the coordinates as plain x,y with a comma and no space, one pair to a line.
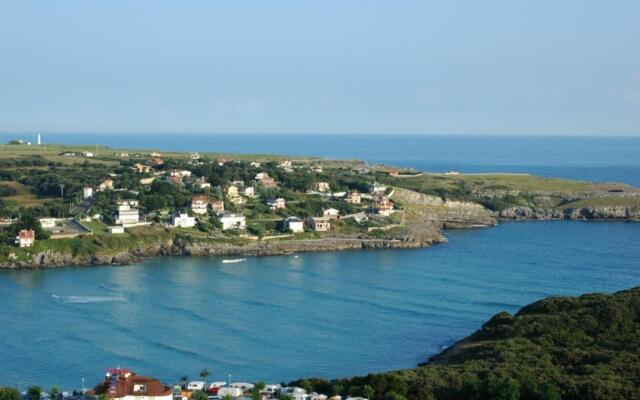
124,384
26,238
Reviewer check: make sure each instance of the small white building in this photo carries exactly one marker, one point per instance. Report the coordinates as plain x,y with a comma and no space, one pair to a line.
87,192
47,223
322,186
199,204
261,176
182,220
249,191
127,215
378,188
88,154
320,224
294,224
276,204
330,212
233,221
116,229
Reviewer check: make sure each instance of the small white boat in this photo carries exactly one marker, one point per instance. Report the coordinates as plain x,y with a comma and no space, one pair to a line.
233,260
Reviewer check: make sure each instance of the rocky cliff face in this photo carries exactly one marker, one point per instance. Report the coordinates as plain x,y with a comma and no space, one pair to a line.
446,213
584,213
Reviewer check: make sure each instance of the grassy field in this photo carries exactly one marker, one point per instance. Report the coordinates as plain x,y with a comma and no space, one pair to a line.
23,197
605,201
469,186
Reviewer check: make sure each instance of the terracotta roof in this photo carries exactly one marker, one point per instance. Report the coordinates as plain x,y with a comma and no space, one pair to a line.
119,383
27,234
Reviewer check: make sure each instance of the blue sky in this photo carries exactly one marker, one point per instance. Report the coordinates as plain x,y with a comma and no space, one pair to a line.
445,67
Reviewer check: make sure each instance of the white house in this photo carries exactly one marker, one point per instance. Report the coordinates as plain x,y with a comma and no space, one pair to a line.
87,192
294,224
378,188
353,198
182,220
127,215
276,204
261,176
47,223
116,229
26,238
249,191
199,204
233,221
330,212
320,224
322,186
88,154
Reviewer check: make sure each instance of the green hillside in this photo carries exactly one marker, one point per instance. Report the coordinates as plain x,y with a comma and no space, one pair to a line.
585,347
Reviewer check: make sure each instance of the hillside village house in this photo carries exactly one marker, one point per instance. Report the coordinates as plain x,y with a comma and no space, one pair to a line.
202,183
217,206
378,188
47,223
321,186
269,183
106,184
320,224
316,168
276,204
249,191
182,220
141,168
155,154
384,207
157,161
294,224
353,198
87,192
261,175
232,191
123,384
26,238
127,213
182,173
199,204
147,181
255,164
233,221
330,212
284,164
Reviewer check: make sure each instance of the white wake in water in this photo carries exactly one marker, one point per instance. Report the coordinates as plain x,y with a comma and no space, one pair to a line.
89,299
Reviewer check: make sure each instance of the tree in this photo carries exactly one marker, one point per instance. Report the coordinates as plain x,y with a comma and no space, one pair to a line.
368,392
53,393
260,385
204,374
199,395
8,393
394,396
503,388
34,392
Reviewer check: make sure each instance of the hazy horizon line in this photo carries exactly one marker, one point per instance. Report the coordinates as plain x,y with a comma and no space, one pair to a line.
5,133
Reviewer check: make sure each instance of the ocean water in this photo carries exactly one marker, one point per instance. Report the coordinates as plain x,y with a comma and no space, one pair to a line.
328,314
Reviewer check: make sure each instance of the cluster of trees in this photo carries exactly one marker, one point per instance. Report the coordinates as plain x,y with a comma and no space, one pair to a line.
559,348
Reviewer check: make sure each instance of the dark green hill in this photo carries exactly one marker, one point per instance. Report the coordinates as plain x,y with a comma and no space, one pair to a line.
585,347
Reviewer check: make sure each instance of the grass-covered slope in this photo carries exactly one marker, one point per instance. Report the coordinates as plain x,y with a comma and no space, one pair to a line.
585,347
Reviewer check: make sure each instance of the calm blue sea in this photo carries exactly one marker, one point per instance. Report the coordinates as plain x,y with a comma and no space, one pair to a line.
328,314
